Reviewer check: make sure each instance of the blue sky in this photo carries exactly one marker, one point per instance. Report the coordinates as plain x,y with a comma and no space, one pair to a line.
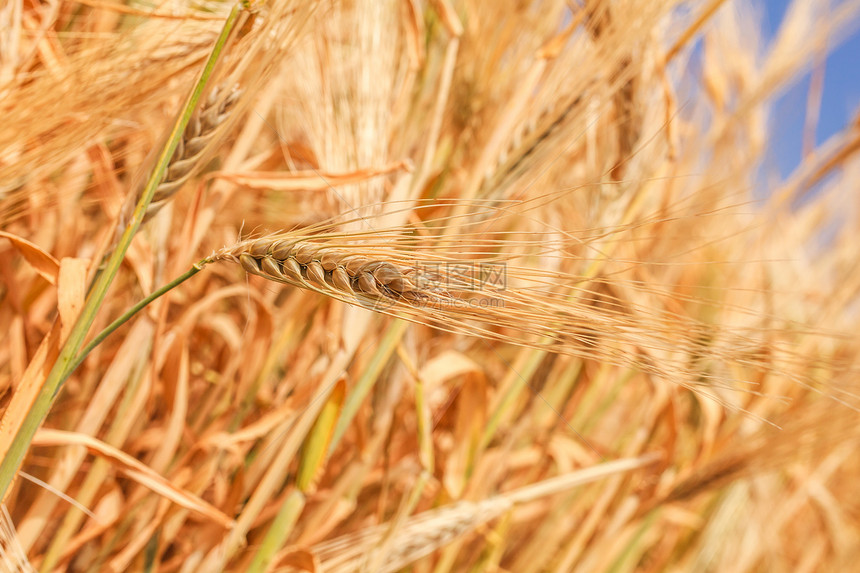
840,100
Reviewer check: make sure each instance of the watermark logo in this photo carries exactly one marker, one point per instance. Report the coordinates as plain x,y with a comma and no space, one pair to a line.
461,276
461,285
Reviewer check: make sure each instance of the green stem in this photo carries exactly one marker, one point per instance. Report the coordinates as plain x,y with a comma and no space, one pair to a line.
362,388
278,532
134,310
66,360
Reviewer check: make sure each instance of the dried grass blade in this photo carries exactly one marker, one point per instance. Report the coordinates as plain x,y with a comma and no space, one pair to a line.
44,264
135,470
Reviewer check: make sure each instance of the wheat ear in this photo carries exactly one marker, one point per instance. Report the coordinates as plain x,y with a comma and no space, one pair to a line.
201,130
552,310
421,534
381,279
329,270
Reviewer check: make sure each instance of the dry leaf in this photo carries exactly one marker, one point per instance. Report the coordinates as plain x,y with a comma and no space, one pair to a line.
314,180
71,292
134,470
42,262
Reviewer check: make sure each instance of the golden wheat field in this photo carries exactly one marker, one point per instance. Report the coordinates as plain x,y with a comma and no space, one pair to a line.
423,285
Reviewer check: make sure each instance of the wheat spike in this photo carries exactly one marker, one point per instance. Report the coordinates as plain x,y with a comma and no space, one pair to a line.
421,534
547,309
514,160
330,270
201,130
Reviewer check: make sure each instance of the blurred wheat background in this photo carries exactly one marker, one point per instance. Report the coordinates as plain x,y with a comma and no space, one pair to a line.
666,380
